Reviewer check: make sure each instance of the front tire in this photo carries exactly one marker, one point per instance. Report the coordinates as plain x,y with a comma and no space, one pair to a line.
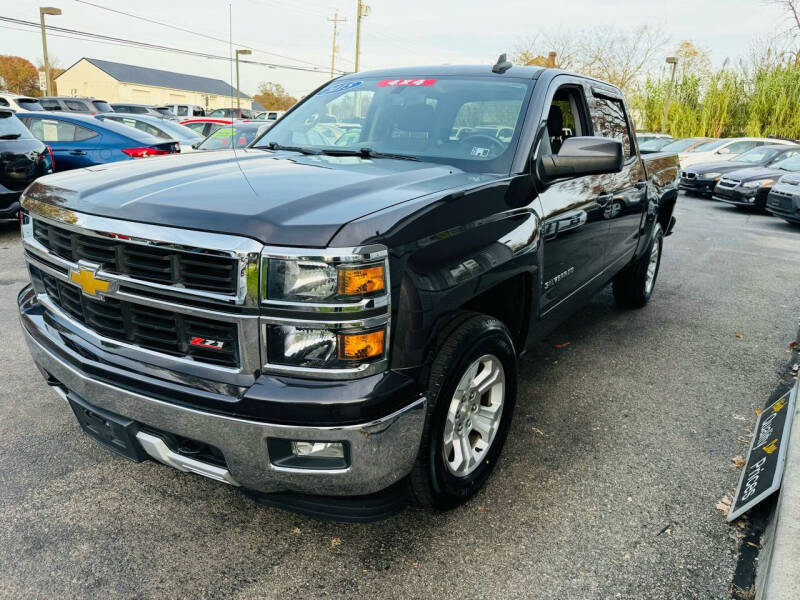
471,396
634,285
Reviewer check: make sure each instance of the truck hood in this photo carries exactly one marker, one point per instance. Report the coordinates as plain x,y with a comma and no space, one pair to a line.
280,198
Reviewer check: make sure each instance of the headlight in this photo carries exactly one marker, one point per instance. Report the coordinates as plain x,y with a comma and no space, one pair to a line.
711,175
756,184
312,348
325,313
322,282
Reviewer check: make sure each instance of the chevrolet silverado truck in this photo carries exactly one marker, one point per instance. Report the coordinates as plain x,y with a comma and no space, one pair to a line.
331,318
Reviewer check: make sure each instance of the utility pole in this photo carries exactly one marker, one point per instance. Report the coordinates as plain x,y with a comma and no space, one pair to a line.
238,95
361,12
47,10
335,20
671,60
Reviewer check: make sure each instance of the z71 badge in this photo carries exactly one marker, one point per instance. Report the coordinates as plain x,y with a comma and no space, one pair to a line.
206,343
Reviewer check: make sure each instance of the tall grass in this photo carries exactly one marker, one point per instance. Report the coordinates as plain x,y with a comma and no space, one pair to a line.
725,103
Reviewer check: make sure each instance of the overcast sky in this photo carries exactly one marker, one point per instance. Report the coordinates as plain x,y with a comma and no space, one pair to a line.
397,33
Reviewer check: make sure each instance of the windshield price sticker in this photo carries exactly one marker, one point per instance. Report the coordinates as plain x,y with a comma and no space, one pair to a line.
340,87
762,473
401,82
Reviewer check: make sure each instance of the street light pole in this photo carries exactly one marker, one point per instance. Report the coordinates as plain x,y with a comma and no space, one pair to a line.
238,95
671,60
47,10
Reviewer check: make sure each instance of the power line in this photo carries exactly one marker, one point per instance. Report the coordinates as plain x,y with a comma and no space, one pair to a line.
157,47
197,33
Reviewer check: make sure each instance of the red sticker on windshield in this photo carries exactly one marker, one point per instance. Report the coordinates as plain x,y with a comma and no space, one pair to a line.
397,82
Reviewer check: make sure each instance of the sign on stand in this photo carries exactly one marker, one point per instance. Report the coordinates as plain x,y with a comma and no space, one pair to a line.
763,469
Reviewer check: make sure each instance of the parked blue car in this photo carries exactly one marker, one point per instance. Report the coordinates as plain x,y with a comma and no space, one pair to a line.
82,141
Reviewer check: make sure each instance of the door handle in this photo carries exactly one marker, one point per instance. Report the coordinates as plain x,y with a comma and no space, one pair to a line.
603,199
77,153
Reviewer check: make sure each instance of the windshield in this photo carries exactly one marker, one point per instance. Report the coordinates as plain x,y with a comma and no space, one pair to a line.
756,156
655,144
179,131
788,164
470,123
679,145
11,127
242,134
709,146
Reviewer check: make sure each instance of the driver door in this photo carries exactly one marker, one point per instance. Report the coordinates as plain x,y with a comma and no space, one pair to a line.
573,208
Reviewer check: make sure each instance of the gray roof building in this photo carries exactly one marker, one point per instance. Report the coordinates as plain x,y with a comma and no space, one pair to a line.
164,79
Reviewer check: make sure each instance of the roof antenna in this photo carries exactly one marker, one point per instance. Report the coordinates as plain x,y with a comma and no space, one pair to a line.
502,65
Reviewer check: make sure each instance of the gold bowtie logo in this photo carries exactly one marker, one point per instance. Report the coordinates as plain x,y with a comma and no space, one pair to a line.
90,284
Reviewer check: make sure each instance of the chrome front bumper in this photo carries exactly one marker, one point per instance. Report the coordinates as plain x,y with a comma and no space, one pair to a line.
381,452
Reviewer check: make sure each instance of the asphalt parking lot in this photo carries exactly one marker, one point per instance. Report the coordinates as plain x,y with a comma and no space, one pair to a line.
621,446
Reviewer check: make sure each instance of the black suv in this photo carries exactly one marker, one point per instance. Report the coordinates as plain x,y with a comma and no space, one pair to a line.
23,158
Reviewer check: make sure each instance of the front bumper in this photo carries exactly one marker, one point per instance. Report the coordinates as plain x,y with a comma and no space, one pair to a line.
381,452
784,205
697,186
736,196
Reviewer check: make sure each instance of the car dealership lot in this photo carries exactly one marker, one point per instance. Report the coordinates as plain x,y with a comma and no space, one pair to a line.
620,448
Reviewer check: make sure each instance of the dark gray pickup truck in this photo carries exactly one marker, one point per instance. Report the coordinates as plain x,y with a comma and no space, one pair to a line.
331,318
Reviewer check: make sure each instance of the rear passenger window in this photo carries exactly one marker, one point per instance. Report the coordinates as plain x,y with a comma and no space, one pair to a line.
609,121
49,130
50,104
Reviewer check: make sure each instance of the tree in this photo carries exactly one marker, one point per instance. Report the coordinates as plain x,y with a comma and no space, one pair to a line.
534,50
621,57
272,96
692,60
19,75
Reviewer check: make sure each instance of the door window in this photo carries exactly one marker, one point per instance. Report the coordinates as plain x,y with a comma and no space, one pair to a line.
50,130
565,118
75,106
609,121
182,111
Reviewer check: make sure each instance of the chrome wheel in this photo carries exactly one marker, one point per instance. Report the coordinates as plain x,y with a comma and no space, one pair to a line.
652,266
474,415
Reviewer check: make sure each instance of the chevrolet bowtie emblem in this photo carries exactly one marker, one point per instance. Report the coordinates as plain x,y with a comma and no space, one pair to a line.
91,285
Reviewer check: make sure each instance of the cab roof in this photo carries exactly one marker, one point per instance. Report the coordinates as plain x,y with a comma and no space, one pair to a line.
524,72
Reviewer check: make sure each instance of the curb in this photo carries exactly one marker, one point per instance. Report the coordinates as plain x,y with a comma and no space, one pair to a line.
778,575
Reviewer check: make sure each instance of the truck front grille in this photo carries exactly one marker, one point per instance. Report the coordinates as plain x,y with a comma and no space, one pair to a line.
160,265
145,326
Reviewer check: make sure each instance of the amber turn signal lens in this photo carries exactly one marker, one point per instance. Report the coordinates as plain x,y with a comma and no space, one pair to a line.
360,346
353,282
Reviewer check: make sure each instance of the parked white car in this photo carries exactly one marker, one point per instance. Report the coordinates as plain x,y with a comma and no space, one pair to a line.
186,111
19,103
724,149
270,115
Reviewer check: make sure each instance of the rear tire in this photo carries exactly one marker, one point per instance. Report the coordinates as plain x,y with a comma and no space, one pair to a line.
634,285
471,395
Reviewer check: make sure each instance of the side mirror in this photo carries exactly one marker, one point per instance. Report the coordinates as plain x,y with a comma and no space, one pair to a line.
724,151
583,156
196,145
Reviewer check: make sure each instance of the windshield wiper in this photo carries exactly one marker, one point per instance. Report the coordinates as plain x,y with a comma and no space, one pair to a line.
367,153
277,146
10,136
